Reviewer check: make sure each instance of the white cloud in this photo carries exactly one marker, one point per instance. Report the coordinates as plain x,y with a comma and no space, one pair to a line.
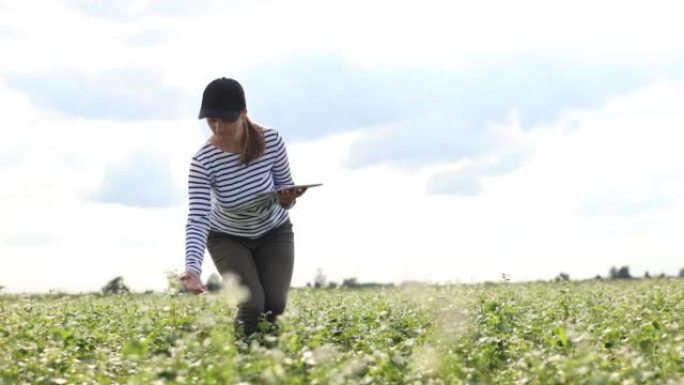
143,180
52,235
229,36
376,223
379,224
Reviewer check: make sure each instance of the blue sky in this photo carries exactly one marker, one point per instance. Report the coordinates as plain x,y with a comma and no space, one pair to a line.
126,94
414,117
444,125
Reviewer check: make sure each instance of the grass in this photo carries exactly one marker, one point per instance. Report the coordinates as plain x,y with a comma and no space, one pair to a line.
598,332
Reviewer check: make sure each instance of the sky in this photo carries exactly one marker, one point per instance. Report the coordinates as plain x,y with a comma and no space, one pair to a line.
456,141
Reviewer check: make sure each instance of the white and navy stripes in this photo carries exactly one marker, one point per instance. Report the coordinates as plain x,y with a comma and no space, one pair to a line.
224,195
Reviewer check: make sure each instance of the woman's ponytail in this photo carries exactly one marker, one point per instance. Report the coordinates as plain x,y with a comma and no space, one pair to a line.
253,142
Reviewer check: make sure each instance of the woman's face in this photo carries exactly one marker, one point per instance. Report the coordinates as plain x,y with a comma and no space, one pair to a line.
222,127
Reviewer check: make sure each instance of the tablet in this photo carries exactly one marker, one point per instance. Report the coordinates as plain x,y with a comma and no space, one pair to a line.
297,186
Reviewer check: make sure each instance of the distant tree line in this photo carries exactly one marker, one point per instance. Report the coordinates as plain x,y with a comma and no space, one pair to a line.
622,272
321,282
115,286
214,283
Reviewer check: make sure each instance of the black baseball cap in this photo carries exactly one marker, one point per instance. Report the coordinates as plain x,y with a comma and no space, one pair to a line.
223,98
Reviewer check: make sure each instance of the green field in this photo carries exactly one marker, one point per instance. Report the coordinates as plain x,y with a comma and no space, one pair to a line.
599,332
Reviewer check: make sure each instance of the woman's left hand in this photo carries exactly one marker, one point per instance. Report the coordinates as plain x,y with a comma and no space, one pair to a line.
287,197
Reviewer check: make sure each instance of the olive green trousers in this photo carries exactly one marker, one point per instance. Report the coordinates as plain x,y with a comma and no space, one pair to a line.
263,266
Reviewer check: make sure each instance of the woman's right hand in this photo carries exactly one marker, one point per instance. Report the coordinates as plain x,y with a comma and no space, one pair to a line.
192,282
287,197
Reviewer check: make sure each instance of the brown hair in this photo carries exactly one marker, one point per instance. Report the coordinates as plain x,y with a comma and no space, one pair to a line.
253,142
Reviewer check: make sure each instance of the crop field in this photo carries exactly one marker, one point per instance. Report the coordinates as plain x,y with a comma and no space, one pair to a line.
593,332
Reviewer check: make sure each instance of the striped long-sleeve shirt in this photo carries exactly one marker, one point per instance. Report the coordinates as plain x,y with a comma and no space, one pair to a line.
224,195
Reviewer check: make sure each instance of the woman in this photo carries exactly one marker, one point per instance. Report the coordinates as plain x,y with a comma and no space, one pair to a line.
248,233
